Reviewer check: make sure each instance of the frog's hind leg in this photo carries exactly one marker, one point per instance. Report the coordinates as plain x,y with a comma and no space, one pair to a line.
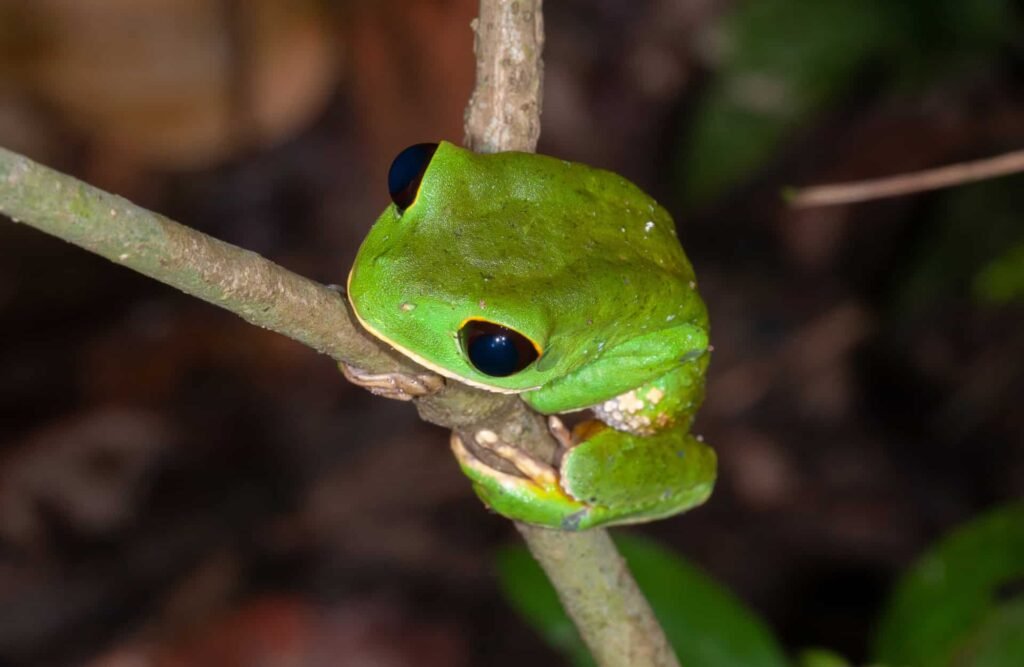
641,463
624,478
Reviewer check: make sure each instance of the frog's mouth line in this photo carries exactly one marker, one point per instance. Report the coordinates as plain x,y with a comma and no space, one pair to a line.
420,360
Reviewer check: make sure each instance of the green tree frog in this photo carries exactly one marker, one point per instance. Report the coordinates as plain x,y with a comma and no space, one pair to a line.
565,284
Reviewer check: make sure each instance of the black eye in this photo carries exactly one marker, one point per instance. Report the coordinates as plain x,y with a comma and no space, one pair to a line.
496,350
406,172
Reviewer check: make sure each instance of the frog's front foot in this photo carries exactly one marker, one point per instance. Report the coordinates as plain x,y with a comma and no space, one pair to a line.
517,484
399,386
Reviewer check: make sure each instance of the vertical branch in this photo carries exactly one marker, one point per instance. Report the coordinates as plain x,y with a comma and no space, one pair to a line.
504,110
591,578
600,595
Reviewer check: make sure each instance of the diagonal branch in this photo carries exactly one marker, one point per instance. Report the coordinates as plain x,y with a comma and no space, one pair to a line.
227,276
254,288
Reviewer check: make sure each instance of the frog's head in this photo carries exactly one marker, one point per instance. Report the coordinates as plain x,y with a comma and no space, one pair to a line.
440,275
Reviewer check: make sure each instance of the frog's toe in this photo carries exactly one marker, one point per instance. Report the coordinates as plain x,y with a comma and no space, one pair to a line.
532,472
532,493
559,432
399,386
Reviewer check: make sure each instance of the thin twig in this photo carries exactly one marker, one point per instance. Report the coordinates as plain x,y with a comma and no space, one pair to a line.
904,184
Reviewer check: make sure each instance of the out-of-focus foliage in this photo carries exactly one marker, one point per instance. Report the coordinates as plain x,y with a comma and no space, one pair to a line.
1002,279
961,604
818,657
784,61
705,624
972,225
928,40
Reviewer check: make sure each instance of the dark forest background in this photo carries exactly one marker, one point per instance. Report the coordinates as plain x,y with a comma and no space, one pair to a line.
180,488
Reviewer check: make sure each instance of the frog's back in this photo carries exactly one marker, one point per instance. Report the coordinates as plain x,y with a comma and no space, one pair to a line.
559,212
583,236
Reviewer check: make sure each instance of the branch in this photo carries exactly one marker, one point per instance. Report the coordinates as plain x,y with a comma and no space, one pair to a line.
503,113
591,578
254,288
600,595
238,280
904,184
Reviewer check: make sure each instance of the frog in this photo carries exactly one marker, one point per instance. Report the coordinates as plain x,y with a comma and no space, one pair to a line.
566,285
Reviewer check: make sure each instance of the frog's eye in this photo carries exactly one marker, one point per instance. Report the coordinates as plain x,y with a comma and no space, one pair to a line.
496,350
406,172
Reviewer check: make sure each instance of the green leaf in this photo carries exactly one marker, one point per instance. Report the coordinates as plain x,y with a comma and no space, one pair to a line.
999,640
1002,280
947,610
819,657
705,624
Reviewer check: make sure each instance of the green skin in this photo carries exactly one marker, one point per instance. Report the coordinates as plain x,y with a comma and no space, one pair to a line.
588,267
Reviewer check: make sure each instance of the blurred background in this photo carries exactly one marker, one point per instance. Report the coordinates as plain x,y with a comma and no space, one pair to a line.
180,488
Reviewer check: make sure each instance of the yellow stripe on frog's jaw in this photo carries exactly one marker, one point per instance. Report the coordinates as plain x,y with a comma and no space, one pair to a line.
420,360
